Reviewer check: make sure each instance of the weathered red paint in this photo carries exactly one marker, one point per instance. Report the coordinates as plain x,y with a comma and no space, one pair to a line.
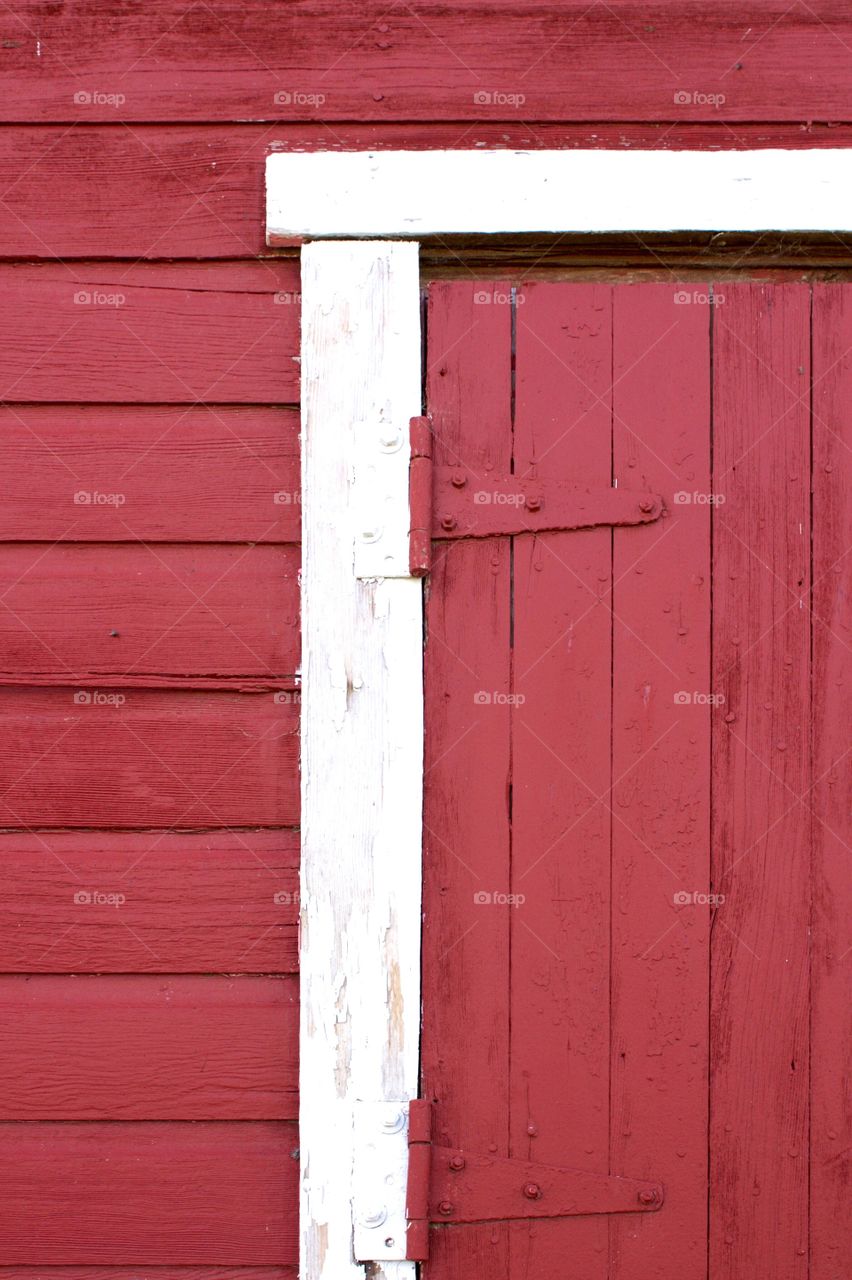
182,398
198,191
222,473
635,777
126,1048
457,61
214,902
219,1193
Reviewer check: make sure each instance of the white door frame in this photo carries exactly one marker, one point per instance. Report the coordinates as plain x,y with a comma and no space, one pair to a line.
362,614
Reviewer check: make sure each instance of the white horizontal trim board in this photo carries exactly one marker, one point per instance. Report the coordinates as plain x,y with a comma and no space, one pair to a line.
362,741
421,193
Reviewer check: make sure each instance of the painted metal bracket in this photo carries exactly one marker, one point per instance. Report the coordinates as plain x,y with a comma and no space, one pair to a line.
452,1185
452,502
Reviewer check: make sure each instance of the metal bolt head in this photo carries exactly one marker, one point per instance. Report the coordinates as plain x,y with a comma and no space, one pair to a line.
374,1216
648,1196
459,479
532,1191
456,1163
533,502
448,522
445,1207
646,505
390,438
392,1123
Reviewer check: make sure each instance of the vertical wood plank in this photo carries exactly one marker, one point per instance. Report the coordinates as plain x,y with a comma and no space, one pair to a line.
761,653
362,725
466,841
661,779
831,1068
561,769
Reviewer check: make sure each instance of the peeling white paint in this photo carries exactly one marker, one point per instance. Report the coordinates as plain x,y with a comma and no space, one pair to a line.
362,737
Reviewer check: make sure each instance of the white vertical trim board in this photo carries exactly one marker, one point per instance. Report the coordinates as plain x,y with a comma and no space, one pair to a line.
362,728
422,193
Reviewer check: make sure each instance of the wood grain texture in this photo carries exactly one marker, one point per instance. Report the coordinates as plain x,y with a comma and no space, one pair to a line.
223,902
661,779
362,738
169,334
623,61
465,1046
761,658
170,759
85,612
560,980
197,191
828,801
146,1192
144,1048
220,474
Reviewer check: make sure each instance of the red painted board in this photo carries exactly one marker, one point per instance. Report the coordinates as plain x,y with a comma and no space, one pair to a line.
560,980
83,612
148,1048
151,1273
222,902
465,1061
85,473
759,1082
148,1192
169,759
453,62
828,803
197,191
661,778
154,332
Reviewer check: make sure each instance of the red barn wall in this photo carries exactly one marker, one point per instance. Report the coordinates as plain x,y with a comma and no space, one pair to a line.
148,766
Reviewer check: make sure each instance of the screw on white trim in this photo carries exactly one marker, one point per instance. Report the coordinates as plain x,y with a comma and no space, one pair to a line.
374,1217
393,1123
390,438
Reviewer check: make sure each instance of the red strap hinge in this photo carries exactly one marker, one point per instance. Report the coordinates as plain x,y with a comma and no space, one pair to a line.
420,498
452,1185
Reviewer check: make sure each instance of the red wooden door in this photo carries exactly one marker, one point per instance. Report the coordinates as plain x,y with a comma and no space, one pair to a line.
635,750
